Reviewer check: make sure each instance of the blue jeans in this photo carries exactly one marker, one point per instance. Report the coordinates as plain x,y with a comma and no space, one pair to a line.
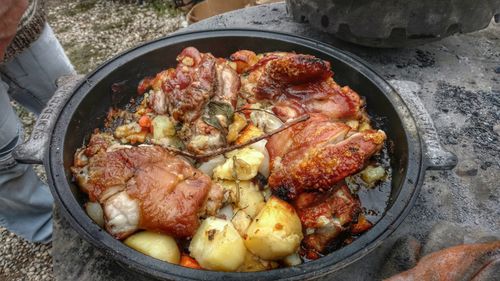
25,201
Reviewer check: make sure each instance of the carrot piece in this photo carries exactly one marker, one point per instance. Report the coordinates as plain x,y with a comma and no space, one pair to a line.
145,121
361,226
188,261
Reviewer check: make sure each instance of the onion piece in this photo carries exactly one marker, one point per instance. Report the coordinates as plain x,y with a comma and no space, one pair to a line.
208,167
261,147
226,212
95,212
266,120
292,260
373,174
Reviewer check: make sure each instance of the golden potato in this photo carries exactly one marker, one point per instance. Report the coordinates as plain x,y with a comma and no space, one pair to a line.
276,231
372,174
354,124
217,245
253,263
241,164
234,129
250,132
241,221
292,260
250,199
156,245
130,133
126,130
364,126
162,127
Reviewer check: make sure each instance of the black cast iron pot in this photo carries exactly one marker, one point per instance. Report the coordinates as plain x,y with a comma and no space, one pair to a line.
79,107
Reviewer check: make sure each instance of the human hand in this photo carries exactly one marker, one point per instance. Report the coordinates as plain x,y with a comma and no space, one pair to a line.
11,12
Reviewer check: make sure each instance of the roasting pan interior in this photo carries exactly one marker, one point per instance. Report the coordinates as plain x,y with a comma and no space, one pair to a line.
87,109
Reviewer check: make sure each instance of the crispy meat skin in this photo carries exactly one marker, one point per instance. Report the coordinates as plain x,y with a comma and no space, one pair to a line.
188,88
329,214
316,154
297,84
171,193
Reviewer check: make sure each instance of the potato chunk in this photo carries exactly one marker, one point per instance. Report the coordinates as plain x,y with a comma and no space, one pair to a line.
156,245
253,263
250,199
130,133
162,127
241,221
372,174
250,132
234,129
217,245
276,231
241,164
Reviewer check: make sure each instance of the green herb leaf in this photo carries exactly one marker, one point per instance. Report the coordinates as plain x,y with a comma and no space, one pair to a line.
216,112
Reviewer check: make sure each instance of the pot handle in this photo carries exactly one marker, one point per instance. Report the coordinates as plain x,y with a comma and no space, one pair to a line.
436,157
33,150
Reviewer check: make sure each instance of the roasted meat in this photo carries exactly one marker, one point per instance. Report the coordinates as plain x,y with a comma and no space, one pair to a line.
308,135
149,188
326,215
316,154
200,94
296,84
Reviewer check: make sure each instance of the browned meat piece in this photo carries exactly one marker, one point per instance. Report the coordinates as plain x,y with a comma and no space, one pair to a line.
282,74
99,141
316,154
325,216
149,188
228,84
244,60
296,84
186,93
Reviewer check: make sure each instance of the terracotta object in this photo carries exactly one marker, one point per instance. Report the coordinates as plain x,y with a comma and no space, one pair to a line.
210,8
464,262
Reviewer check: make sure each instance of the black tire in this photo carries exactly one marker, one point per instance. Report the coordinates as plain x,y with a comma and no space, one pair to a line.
394,23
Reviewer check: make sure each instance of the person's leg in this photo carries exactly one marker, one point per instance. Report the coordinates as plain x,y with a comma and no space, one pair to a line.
25,202
32,74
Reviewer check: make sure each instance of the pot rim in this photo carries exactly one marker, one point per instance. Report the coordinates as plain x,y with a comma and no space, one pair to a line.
335,261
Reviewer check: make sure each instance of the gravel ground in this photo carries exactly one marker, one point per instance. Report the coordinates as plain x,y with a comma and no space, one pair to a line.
91,31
